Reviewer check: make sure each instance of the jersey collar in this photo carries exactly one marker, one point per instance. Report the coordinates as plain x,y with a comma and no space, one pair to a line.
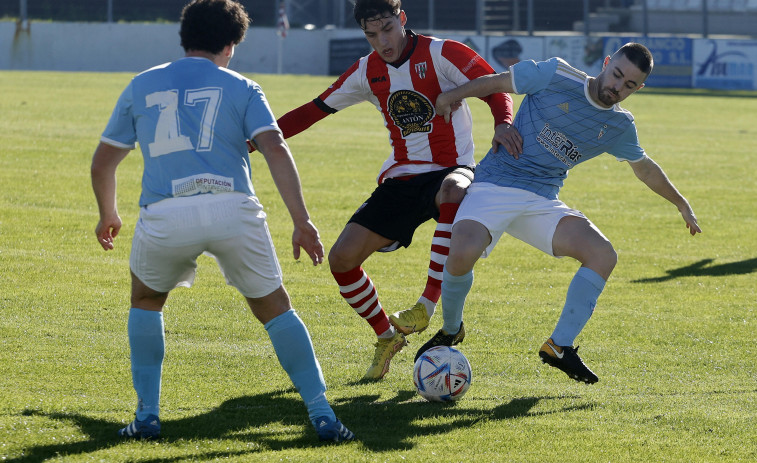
587,94
412,41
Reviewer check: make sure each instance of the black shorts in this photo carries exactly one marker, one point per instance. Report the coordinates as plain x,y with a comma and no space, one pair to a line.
397,207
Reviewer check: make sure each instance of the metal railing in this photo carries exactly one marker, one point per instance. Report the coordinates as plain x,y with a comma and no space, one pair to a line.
484,17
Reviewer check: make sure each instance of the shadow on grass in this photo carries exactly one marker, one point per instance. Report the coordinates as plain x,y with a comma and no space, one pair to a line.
700,269
380,426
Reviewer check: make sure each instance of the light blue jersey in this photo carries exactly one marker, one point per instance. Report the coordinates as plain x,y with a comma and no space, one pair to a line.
561,127
191,119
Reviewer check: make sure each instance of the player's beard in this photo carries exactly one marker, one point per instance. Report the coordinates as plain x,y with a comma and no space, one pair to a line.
606,95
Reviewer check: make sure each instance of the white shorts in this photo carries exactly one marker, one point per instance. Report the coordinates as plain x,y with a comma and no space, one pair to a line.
230,227
527,216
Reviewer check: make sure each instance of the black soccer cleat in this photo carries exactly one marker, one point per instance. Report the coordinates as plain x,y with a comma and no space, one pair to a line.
442,339
566,359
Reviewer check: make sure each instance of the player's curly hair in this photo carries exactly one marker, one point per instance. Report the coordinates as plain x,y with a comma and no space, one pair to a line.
210,25
365,9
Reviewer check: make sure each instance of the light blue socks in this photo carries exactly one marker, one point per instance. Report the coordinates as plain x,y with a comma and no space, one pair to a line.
580,301
454,291
291,341
147,342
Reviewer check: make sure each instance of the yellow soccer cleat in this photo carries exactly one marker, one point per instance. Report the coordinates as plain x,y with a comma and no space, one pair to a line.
385,350
412,320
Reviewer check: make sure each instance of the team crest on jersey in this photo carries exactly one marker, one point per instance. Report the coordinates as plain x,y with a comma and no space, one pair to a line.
420,69
410,111
602,131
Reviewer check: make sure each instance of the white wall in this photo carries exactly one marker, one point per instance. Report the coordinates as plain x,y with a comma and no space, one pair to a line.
102,47
135,47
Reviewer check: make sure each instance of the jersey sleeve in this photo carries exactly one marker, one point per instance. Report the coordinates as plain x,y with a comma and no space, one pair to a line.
530,76
121,131
470,66
627,148
349,89
345,92
301,118
259,117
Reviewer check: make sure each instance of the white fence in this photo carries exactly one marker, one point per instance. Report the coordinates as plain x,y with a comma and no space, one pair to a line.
679,61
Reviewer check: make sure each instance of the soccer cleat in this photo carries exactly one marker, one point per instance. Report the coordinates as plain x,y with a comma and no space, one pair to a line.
329,429
385,350
441,338
566,359
413,320
148,428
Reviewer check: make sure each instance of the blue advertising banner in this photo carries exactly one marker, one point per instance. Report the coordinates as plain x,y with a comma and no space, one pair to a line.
725,64
503,52
672,58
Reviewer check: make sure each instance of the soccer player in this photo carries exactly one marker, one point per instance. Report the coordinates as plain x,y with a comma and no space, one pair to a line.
429,167
191,118
565,118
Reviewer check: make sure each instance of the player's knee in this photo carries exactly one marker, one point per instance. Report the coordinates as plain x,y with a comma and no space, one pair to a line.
143,297
611,257
339,261
603,258
460,261
270,306
334,260
453,189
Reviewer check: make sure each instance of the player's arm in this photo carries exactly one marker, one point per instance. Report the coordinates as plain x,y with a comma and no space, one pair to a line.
654,177
345,91
302,118
501,105
471,65
479,87
497,88
298,120
103,172
287,180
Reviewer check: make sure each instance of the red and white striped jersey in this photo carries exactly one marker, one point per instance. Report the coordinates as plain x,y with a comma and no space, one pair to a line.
405,94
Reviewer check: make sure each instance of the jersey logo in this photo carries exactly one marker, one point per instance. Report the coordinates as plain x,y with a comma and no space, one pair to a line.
559,145
410,111
564,106
602,131
420,69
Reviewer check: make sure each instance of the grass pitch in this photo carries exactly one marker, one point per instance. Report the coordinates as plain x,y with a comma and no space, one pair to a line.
672,338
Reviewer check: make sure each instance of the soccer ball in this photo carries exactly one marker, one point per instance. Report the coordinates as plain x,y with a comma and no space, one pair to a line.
442,374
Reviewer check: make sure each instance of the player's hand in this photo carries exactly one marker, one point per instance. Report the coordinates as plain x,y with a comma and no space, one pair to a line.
106,231
306,236
691,220
446,106
507,136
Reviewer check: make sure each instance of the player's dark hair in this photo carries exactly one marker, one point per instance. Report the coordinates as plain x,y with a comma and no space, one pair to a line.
210,25
366,9
639,55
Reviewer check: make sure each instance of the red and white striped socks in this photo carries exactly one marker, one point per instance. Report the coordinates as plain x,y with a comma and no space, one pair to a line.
357,289
439,253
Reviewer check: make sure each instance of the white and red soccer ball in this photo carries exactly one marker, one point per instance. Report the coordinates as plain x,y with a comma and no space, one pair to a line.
442,374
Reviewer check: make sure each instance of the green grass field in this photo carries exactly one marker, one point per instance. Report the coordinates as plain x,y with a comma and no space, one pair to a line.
672,338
